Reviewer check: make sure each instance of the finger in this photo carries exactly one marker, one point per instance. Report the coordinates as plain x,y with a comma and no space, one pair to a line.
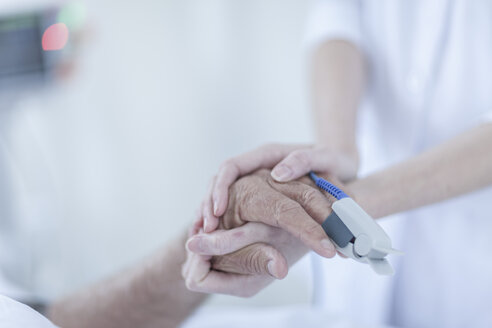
263,157
210,221
224,283
222,242
197,269
296,164
199,277
256,259
197,225
299,162
189,258
245,259
273,208
314,201
317,203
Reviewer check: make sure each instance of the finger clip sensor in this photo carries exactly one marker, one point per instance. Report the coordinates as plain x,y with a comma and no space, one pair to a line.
354,232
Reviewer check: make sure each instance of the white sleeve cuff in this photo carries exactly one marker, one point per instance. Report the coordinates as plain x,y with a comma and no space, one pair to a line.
333,19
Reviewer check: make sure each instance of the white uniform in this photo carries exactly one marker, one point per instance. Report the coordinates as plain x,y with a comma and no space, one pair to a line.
430,67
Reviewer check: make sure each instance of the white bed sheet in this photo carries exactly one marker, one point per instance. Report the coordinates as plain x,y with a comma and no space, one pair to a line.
296,316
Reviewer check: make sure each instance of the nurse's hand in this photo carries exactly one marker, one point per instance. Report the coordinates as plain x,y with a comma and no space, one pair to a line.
289,162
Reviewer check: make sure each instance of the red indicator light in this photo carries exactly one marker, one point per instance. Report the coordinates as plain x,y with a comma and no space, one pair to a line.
55,37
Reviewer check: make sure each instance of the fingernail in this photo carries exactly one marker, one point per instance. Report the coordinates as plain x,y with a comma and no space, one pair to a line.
205,223
271,269
328,245
216,207
282,173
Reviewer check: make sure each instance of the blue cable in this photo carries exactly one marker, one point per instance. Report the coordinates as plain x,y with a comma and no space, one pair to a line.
327,186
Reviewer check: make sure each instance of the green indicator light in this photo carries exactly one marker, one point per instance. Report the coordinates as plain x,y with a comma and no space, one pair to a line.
73,15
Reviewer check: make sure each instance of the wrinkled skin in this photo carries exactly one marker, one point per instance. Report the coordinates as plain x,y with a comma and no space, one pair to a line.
288,162
264,230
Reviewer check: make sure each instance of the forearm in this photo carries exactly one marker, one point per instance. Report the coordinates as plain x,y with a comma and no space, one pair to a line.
458,166
338,80
152,294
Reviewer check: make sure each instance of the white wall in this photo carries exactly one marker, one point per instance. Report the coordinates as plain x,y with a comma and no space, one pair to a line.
164,91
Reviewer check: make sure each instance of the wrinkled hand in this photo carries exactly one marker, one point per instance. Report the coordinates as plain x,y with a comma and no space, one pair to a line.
289,162
241,261
297,207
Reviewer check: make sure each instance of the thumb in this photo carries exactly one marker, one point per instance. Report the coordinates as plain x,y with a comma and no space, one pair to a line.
299,162
256,259
296,164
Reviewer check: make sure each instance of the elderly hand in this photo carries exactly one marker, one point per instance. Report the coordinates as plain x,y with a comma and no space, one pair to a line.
289,162
240,261
297,207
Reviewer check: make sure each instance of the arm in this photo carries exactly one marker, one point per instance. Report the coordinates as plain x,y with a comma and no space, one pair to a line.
456,167
154,294
150,295
337,83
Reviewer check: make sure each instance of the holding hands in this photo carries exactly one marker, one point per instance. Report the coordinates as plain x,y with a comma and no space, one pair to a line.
264,224
287,162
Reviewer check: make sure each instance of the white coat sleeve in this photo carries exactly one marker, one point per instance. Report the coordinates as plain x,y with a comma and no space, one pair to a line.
333,19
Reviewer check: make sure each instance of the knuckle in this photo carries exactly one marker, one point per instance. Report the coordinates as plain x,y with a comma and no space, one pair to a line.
244,190
309,196
241,184
284,206
313,229
242,187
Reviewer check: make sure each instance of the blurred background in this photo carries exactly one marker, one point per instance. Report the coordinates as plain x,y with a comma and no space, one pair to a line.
108,155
